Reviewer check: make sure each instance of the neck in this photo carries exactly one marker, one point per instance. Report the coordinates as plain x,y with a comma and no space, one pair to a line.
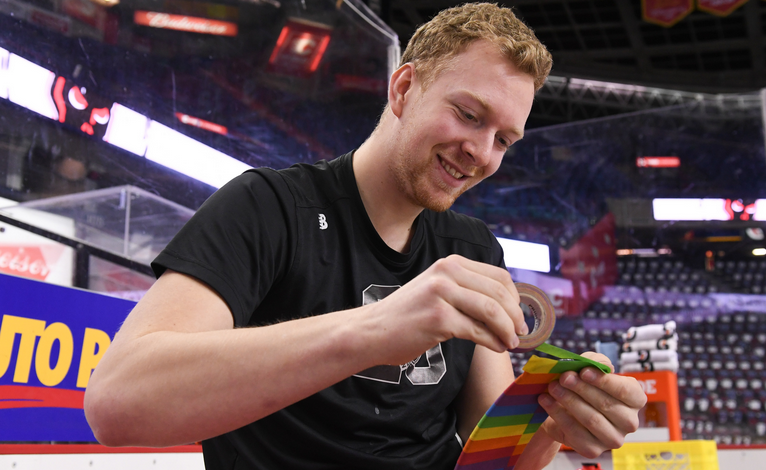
392,214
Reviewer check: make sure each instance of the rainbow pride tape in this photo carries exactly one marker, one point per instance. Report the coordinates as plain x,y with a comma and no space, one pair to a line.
497,442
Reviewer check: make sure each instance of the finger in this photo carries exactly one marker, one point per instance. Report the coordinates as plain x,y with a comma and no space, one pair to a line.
587,416
485,311
622,416
495,273
598,358
478,332
494,282
568,430
623,388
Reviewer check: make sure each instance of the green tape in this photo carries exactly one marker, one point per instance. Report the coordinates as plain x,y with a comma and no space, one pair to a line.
532,428
576,362
501,421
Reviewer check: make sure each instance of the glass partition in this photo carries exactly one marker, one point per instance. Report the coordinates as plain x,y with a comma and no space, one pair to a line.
175,97
119,118
652,217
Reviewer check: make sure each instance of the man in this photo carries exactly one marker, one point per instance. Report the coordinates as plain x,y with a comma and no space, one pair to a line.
378,320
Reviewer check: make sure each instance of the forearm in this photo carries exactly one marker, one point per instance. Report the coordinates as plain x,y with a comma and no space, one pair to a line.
168,388
539,452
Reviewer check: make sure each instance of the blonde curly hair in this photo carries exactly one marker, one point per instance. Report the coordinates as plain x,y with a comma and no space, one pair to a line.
452,30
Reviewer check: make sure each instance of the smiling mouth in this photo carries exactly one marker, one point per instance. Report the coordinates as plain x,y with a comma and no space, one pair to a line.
455,174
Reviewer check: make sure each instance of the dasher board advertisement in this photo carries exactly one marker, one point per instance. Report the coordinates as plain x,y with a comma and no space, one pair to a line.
51,338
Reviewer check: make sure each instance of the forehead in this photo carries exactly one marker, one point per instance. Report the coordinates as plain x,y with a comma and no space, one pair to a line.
483,75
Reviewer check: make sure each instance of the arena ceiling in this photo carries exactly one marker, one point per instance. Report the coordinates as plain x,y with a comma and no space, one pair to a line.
608,40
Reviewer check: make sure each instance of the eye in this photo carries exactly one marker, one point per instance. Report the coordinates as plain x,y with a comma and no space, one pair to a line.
467,115
504,142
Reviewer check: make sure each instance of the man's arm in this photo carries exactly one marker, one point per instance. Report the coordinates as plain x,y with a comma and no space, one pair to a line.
489,375
177,371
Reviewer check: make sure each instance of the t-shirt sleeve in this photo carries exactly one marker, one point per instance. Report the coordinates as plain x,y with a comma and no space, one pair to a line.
238,242
498,256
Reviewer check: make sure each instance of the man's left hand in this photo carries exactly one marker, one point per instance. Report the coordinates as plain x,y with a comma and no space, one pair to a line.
592,412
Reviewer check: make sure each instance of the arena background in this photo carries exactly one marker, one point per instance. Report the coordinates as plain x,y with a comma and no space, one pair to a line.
640,177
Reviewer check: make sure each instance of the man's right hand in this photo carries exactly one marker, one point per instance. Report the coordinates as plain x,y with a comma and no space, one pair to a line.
454,298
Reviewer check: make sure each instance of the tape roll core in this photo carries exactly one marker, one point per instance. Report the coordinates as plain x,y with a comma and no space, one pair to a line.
542,310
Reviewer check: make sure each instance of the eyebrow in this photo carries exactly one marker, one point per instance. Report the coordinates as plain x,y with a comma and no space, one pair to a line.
483,103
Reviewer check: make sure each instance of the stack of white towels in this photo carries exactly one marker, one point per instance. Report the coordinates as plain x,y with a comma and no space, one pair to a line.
650,347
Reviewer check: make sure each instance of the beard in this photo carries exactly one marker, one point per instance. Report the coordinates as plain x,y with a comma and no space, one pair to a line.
414,179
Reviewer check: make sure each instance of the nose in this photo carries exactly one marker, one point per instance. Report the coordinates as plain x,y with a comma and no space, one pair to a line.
478,148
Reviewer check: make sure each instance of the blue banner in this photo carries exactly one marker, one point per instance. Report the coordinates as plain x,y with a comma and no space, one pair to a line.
51,339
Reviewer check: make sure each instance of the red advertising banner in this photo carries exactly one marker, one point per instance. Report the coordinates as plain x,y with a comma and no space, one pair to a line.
26,261
299,48
184,23
591,264
94,15
85,11
202,124
658,162
719,7
355,82
665,12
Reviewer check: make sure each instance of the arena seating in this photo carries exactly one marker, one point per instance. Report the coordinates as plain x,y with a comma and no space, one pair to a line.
722,354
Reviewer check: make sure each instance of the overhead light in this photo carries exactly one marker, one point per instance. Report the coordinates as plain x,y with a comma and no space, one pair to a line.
190,157
29,85
4,56
127,129
759,251
526,255
705,209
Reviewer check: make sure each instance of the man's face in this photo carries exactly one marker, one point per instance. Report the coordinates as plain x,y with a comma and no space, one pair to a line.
455,133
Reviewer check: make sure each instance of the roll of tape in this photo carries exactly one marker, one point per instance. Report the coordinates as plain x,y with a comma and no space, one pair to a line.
541,309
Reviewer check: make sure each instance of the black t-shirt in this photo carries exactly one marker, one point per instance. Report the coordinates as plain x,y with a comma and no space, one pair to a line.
281,245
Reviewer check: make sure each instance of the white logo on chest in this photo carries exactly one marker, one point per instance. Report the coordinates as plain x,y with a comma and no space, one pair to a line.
322,222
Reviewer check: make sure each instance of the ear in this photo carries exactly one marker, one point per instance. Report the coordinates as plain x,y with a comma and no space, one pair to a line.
401,82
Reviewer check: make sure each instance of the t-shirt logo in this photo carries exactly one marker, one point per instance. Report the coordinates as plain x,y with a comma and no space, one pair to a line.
322,222
428,369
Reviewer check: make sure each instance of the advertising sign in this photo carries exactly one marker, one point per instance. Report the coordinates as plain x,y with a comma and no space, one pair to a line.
51,338
591,264
299,48
191,24
719,7
658,162
665,12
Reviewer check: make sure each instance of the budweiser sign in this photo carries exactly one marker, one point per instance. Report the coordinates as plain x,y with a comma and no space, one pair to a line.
184,23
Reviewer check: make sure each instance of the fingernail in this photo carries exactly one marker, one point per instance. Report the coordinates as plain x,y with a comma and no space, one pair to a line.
524,329
569,380
588,375
545,399
514,342
556,390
